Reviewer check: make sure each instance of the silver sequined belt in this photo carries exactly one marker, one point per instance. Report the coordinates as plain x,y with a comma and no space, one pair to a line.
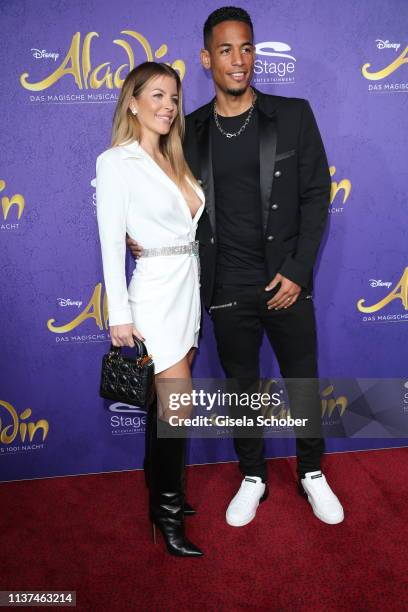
191,248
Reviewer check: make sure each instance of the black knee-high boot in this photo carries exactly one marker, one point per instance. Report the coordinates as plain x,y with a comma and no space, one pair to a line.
151,433
167,456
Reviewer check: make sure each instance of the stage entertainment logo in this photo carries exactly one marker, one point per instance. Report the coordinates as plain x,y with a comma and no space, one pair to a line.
126,419
96,310
17,435
274,64
8,219
386,64
87,81
399,292
343,186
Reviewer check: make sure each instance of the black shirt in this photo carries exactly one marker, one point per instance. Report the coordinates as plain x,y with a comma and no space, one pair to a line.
235,161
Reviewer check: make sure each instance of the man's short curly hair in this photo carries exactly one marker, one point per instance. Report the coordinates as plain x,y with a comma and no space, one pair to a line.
225,13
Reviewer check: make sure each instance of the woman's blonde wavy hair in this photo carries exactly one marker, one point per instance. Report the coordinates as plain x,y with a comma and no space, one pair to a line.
126,127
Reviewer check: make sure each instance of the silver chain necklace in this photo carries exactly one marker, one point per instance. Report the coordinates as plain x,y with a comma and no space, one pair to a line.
243,126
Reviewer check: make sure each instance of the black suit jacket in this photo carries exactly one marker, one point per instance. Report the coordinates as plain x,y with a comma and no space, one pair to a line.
295,188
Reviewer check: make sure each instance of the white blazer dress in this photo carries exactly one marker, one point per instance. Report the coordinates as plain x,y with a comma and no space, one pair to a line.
135,196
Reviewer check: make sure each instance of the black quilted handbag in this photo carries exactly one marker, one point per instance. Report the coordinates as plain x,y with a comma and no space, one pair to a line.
128,380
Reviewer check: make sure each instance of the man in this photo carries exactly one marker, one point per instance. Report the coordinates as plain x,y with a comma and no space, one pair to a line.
263,167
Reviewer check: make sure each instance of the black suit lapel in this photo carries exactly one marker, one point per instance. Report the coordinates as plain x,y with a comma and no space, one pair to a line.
267,155
205,156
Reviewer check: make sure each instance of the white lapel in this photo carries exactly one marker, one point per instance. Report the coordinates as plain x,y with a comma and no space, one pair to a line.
131,149
134,150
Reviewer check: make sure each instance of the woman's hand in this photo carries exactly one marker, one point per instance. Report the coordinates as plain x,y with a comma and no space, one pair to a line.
122,335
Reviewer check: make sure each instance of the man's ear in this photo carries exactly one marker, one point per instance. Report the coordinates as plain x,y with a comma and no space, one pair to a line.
205,59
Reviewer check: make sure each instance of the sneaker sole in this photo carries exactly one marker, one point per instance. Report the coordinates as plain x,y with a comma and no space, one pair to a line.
241,524
323,519
303,493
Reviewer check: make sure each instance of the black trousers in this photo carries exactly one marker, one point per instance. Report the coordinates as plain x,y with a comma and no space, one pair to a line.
240,316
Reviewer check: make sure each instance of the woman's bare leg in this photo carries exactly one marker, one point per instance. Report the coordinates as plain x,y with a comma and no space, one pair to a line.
171,385
190,356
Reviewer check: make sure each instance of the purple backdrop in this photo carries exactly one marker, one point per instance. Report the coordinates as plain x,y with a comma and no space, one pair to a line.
62,62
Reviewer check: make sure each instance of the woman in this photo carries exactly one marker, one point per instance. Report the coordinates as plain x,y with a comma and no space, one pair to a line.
145,188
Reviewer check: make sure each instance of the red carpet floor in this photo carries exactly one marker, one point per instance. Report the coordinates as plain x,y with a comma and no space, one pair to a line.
91,534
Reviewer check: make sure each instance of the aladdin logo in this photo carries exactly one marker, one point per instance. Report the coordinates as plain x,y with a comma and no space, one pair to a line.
400,292
274,70
330,403
42,53
344,185
77,64
387,70
18,426
6,204
96,310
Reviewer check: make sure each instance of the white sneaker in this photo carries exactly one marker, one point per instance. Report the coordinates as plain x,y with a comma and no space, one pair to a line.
325,504
243,506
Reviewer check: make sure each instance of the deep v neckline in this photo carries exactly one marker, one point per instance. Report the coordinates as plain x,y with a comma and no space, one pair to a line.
175,186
